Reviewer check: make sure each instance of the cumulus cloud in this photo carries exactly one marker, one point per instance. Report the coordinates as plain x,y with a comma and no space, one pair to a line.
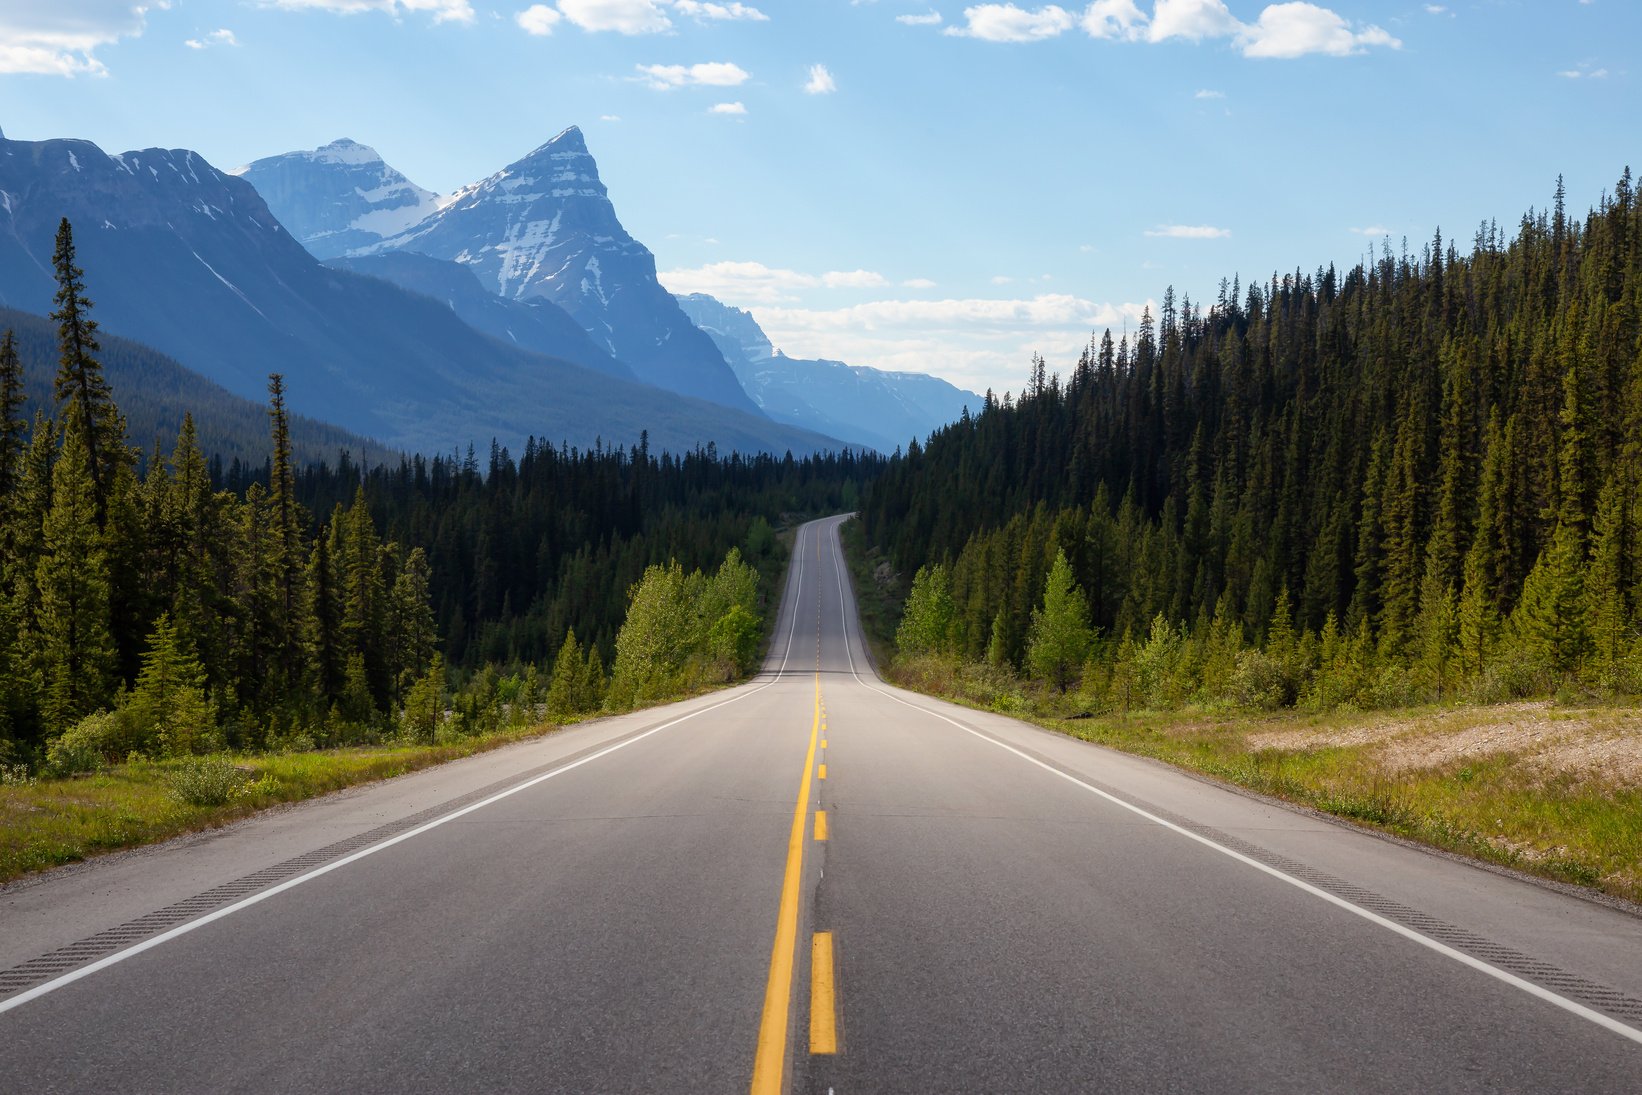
1113,19
820,82
1008,23
538,19
1205,93
727,108
57,39
698,10
1375,230
1193,20
1585,70
976,343
928,19
223,37
1297,29
443,11
1291,29
1188,232
853,279
620,16
707,74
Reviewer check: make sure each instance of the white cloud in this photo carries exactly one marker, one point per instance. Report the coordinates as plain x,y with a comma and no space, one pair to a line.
223,37
821,81
56,39
621,16
1374,230
1297,29
538,19
929,19
609,117
1001,279
1194,20
1113,19
707,74
1007,23
1292,29
699,10
443,11
1584,71
1205,93
727,108
1188,232
977,343
917,283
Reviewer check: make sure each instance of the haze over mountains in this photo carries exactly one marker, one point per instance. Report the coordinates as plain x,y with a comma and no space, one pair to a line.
872,406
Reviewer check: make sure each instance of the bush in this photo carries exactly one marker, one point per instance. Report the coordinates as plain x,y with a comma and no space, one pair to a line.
88,744
207,781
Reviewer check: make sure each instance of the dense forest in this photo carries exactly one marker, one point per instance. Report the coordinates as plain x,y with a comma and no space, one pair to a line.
1412,479
160,604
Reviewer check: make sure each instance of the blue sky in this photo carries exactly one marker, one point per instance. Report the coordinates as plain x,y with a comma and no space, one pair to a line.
912,184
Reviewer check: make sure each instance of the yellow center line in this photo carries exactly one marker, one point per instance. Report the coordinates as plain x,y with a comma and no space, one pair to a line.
823,1003
770,1063
820,824
823,743
821,773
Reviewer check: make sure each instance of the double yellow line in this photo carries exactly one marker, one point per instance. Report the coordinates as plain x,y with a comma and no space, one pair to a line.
770,1063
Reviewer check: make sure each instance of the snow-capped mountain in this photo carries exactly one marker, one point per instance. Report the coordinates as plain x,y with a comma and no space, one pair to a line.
190,260
855,402
339,197
544,227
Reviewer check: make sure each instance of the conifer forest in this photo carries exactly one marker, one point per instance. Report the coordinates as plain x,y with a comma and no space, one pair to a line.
1412,480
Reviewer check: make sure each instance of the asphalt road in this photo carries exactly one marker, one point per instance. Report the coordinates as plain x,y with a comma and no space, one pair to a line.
813,882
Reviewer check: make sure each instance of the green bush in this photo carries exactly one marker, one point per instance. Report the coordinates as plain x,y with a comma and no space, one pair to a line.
206,781
88,744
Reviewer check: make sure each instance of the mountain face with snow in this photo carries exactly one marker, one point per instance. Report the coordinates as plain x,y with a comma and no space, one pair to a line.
544,227
339,197
859,404
191,261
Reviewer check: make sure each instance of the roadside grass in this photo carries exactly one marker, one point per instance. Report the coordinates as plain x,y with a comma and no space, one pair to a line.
1553,789
49,822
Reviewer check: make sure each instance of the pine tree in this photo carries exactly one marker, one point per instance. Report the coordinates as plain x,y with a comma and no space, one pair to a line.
76,647
82,391
567,689
1604,592
168,706
1061,635
927,619
285,547
13,431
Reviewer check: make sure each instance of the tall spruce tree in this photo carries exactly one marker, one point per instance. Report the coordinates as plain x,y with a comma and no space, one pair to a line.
83,394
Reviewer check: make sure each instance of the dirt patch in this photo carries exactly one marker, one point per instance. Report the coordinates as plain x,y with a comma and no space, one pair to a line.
1533,733
1611,758
1328,737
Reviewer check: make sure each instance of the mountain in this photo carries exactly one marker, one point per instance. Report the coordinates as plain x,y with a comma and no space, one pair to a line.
859,404
338,197
535,324
544,228
190,260
154,392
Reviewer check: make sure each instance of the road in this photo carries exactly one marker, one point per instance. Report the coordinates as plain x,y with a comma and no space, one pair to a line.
813,883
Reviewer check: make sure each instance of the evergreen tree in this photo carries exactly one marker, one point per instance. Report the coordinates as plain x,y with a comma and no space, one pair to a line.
1061,635
168,706
82,391
76,647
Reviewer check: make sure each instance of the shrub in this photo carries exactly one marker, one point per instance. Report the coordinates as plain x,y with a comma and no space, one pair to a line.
88,744
206,781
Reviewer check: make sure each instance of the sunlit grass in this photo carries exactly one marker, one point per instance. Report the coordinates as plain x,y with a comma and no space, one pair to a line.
54,821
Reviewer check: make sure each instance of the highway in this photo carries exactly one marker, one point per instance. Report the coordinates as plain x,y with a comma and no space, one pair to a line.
813,882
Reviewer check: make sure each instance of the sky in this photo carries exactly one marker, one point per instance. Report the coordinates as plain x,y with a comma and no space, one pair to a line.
911,184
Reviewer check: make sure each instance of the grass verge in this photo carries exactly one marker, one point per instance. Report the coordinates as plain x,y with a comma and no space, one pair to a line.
49,822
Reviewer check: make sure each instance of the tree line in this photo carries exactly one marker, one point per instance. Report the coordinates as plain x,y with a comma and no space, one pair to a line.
1414,479
161,603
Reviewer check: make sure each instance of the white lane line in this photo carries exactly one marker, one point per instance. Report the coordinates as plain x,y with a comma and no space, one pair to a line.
183,929
1624,1030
